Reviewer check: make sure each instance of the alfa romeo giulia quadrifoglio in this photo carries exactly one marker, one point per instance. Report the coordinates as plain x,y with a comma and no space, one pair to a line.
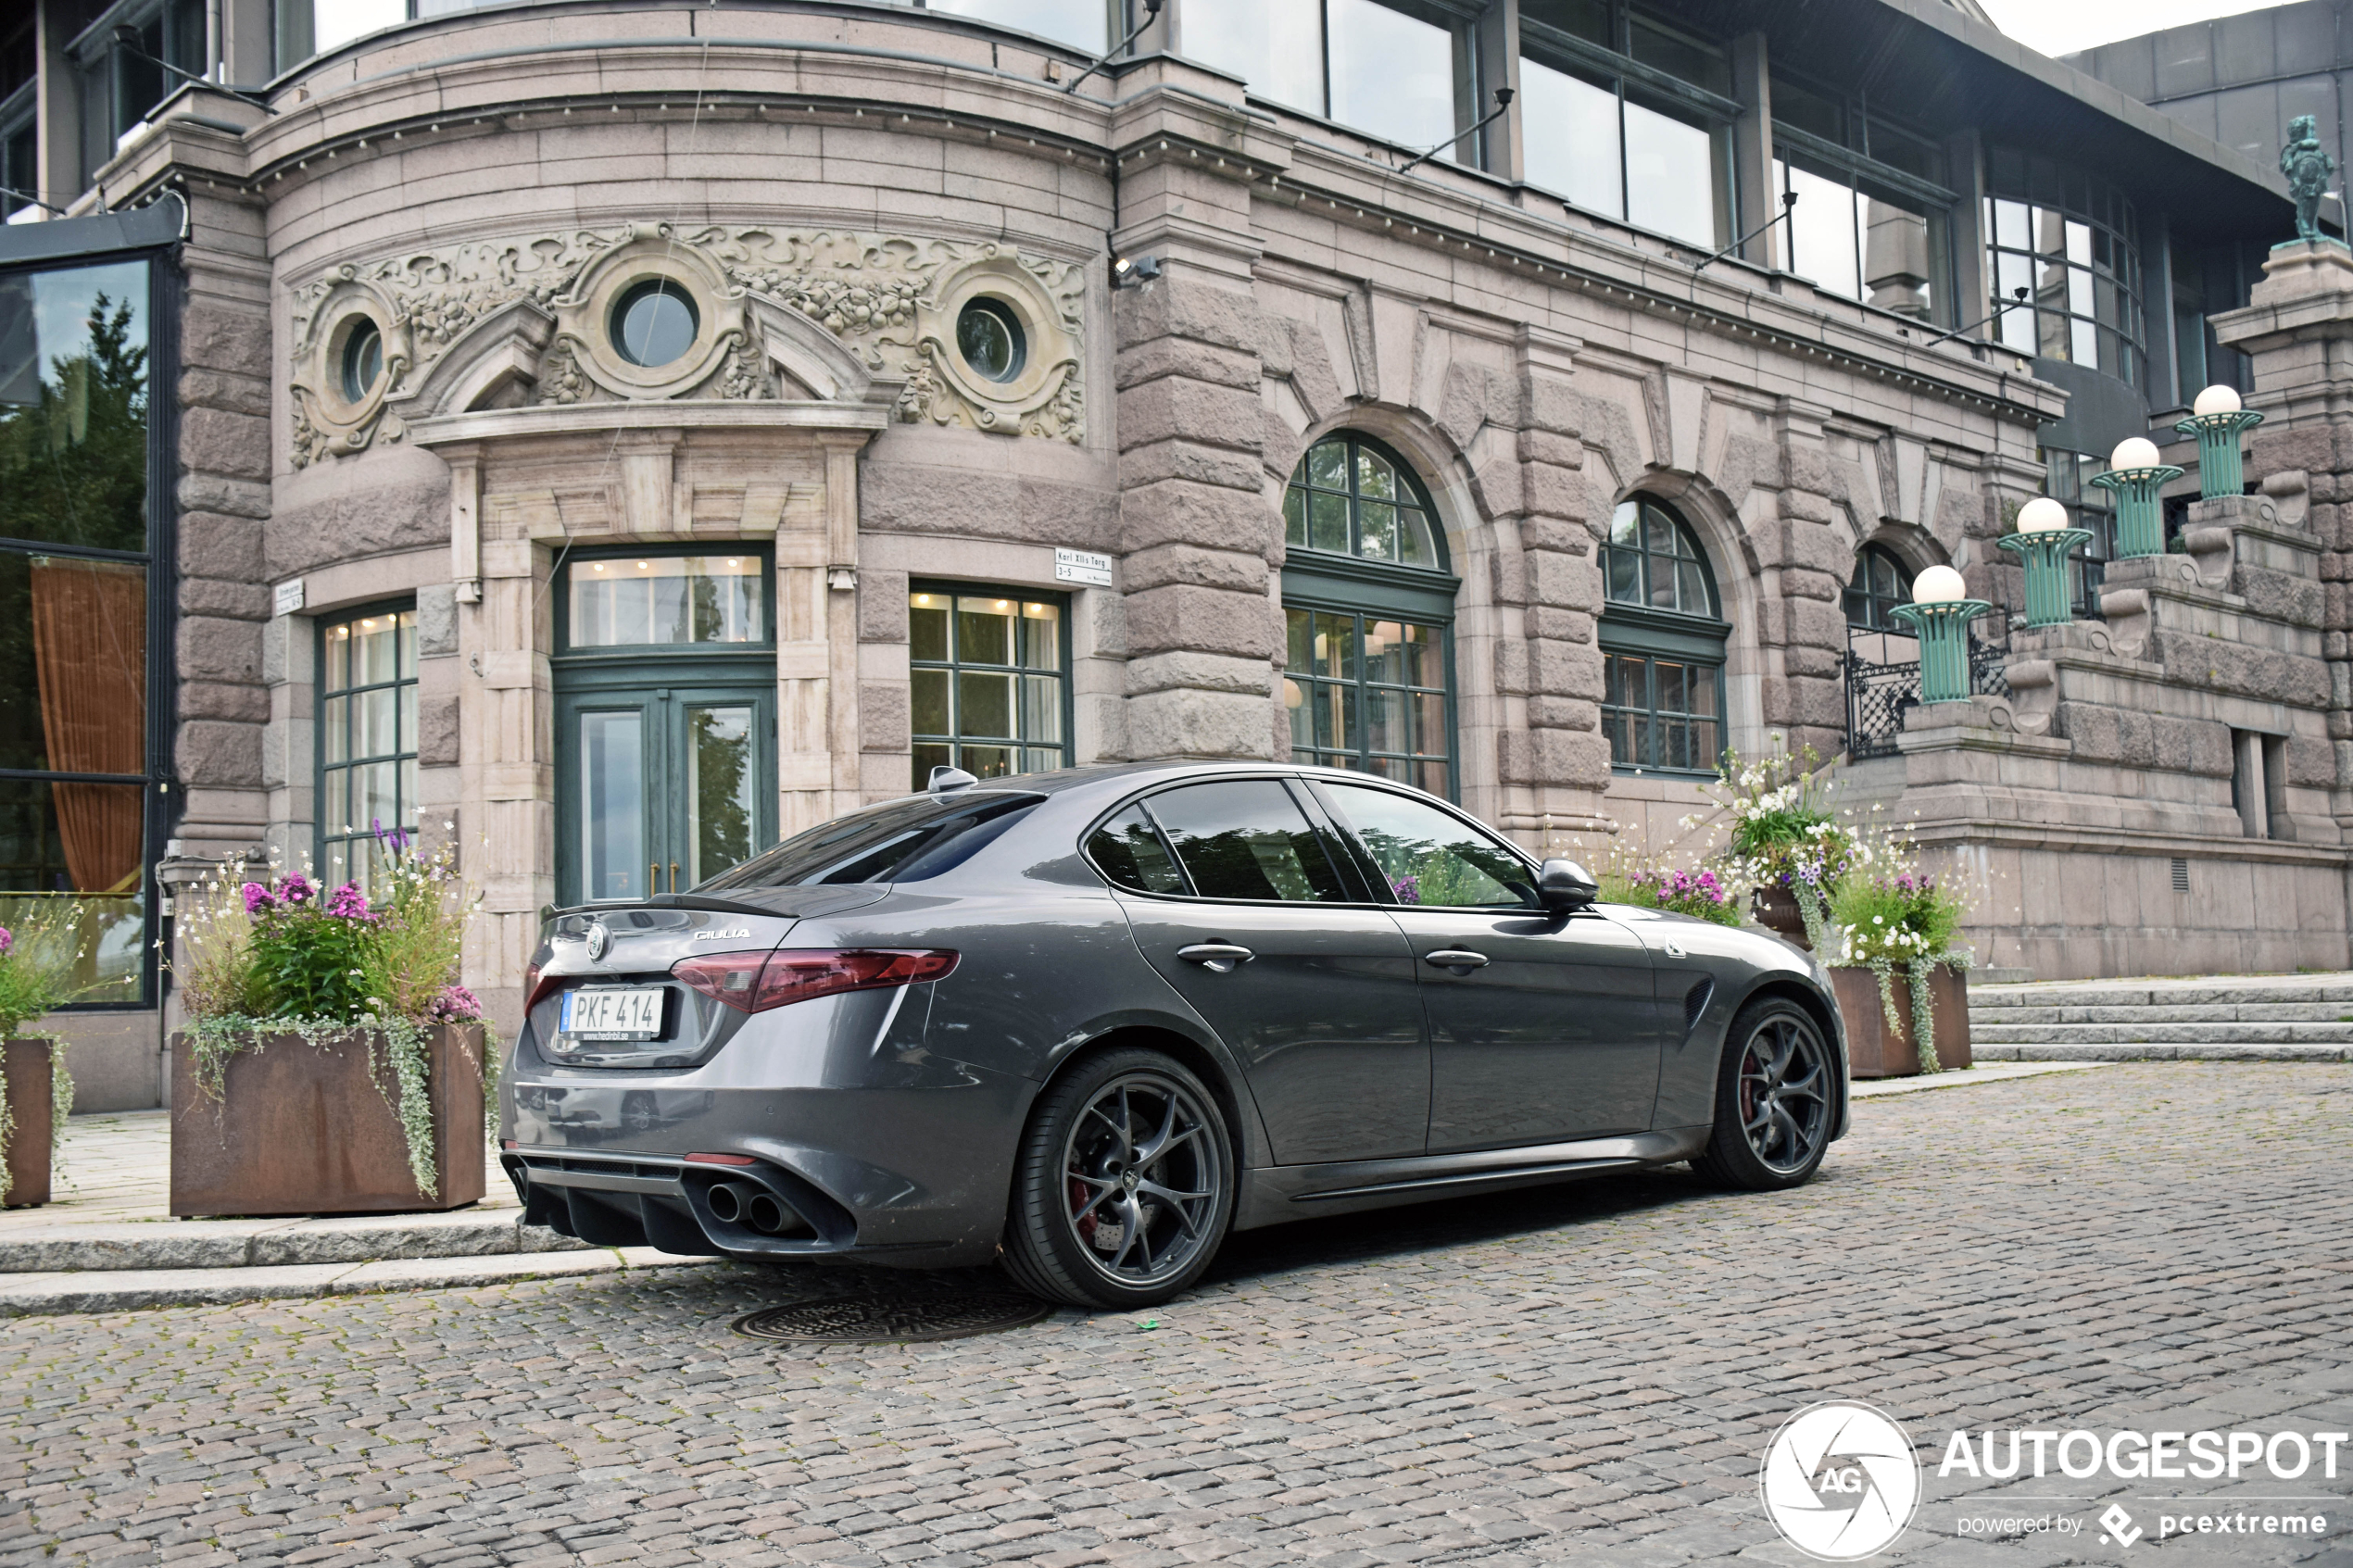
1086,1024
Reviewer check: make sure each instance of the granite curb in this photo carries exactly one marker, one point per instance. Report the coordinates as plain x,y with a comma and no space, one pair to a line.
2143,1051
117,1290
279,1243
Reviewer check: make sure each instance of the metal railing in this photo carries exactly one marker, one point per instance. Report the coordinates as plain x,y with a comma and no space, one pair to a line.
1882,689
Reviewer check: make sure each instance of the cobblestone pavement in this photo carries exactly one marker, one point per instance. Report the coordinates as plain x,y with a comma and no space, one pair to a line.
1582,1374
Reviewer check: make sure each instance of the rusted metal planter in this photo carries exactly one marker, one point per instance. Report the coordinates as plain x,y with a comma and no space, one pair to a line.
30,1074
311,1129
1872,1051
1775,909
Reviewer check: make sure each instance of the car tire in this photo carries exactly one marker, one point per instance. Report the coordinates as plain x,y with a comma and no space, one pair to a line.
1096,1220
1777,1095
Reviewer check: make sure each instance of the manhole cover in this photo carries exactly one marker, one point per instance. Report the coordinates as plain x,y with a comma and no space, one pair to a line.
891,1320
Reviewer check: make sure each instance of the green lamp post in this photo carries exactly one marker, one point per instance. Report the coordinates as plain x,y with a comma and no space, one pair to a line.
1938,615
2216,420
2136,476
2043,543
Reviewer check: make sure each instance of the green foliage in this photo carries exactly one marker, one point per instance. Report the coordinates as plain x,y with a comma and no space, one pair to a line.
311,964
37,960
1901,916
1700,894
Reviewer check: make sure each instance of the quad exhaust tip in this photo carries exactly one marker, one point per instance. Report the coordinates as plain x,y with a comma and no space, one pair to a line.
738,1203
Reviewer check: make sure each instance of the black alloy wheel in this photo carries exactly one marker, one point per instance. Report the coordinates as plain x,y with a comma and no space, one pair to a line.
1776,1099
1125,1187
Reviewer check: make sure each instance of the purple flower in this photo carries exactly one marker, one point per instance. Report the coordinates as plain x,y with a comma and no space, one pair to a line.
257,899
348,903
295,888
8,940
455,1005
1407,888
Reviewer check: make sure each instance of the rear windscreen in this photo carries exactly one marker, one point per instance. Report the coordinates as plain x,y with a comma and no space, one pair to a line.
901,841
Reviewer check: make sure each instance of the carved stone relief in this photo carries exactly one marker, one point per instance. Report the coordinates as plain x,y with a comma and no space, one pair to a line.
891,300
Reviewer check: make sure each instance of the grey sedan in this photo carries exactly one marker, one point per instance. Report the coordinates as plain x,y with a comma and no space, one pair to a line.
1086,1024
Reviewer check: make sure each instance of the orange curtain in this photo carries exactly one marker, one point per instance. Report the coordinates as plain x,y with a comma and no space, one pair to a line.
90,649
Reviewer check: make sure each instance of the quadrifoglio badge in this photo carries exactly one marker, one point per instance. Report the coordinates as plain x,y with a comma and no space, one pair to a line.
1841,1481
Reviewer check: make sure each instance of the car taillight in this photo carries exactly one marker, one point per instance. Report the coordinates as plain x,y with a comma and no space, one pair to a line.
756,982
538,987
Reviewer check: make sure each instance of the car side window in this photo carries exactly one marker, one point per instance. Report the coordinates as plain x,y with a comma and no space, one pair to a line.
1431,857
1128,850
1247,838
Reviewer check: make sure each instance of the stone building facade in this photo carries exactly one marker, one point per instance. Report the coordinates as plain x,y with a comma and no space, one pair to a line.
619,434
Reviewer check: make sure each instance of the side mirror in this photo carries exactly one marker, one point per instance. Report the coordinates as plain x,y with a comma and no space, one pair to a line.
1563,887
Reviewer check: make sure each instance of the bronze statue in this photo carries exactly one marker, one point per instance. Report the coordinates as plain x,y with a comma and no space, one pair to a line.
2308,170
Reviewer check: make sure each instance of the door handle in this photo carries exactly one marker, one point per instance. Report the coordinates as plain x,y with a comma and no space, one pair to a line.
674,876
1219,958
1460,959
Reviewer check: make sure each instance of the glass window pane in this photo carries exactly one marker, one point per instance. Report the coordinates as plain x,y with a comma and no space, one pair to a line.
666,600
2011,225
1677,56
375,797
1294,516
1377,531
1625,524
1625,576
1128,850
405,740
1041,760
88,840
613,805
1328,522
1823,235
1432,857
1671,176
984,705
1277,46
378,734
721,779
408,625
1299,641
1415,538
335,809
1391,74
334,730
928,703
927,626
1336,646
926,759
2082,341
73,665
1376,481
1041,710
1690,589
1247,839
985,633
73,406
1079,24
1328,465
986,761
1040,636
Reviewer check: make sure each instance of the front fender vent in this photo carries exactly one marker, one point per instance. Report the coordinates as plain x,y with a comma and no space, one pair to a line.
1695,1002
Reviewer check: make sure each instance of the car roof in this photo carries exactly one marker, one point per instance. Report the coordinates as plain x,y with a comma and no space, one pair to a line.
1127,775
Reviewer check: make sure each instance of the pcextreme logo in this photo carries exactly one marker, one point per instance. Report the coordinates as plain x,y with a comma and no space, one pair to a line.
1840,1481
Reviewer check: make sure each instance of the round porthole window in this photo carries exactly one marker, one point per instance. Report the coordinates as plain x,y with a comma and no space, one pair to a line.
654,322
363,360
989,337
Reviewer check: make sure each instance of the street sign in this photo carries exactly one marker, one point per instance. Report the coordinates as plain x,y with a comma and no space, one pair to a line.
1082,566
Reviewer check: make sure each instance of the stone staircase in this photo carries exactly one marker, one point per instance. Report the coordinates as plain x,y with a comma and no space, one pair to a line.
2256,1017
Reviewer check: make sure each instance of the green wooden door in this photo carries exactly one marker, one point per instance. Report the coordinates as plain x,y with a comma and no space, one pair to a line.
660,787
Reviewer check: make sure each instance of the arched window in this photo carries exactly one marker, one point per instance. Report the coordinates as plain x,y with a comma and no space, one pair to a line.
1662,640
1880,584
1369,610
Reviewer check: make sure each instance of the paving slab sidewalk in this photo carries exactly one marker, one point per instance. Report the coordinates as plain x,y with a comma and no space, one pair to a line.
107,1241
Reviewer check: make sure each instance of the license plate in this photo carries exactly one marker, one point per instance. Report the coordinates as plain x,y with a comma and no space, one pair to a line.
632,1012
